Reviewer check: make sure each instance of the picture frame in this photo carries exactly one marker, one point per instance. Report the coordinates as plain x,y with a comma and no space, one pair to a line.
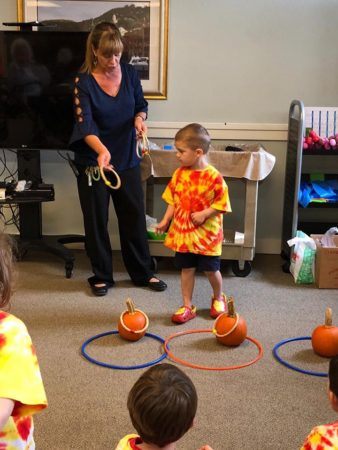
144,25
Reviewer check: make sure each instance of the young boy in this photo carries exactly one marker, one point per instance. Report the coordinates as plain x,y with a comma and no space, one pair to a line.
162,405
197,197
325,437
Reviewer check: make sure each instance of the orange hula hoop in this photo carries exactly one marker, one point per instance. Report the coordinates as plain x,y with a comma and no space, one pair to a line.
201,367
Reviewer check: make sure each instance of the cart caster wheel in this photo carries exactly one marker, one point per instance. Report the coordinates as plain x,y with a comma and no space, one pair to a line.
241,272
284,255
286,267
69,270
154,265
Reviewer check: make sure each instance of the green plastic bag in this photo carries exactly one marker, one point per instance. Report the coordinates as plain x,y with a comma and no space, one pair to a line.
302,263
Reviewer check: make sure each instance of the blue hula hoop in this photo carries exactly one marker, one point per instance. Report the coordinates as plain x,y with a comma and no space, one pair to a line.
115,366
291,366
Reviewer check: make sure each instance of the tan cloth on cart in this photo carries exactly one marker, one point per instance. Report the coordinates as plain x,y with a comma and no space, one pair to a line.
253,163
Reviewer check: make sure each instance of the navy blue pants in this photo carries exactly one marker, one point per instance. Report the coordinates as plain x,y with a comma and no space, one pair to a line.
129,208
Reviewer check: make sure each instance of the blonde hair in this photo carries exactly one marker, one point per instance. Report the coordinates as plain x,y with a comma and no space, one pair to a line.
6,269
194,136
106,37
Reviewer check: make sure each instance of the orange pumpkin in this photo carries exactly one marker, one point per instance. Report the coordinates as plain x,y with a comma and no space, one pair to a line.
133,323
230,328
325,337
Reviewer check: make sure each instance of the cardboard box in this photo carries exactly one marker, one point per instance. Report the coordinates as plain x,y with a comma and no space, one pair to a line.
326,264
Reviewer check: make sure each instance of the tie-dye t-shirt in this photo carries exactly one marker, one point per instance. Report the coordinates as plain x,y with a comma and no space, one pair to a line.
322,437
192,191
20,381
129,442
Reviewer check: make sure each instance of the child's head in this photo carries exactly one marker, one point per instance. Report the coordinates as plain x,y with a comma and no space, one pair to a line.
333,382
162,404
193,136
6,269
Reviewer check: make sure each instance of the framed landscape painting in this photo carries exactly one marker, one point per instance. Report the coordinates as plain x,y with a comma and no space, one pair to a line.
142,23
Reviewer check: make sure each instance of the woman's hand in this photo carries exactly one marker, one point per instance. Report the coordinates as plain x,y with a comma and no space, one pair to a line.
140,125
103,154
103,158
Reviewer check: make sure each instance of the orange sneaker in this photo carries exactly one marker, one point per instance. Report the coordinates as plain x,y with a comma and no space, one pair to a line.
183,314
218,306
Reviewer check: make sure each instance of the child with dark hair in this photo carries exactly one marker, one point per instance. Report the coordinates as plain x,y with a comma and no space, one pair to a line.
21,389
197,198
162,406
324,437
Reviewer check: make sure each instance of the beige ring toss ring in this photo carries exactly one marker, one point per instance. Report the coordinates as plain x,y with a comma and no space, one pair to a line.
107,182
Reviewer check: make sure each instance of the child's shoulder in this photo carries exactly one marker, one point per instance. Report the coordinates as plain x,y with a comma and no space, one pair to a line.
213,169
213,174
10,323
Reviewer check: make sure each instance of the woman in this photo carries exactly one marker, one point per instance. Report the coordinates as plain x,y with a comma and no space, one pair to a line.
109,110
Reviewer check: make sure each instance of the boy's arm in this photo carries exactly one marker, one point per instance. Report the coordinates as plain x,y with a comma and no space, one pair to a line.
165,222
6,408
199,217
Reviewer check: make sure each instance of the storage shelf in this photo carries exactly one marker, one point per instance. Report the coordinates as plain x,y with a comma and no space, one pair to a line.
315,227
305,176
315,218
320,152
315,205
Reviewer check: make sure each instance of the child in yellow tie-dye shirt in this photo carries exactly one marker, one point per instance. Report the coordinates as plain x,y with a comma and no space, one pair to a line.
325,437
21,389
197,198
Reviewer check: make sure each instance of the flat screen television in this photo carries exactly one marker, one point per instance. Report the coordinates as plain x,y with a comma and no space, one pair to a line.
37,71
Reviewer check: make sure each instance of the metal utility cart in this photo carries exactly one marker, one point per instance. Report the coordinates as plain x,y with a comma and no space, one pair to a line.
250,165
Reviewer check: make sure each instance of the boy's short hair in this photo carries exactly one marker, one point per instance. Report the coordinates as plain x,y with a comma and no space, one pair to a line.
194,136
333,375
162,404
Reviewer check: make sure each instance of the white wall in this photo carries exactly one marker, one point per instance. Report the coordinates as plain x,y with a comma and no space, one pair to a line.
230,61
244,61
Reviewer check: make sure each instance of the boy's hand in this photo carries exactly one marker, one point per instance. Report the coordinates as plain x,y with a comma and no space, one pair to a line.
198,217
162,227
205,447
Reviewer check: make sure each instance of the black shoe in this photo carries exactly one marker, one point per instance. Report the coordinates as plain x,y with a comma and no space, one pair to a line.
102,290
153,285
158,286
99,291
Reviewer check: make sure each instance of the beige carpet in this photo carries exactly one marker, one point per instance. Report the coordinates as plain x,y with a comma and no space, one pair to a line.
264,406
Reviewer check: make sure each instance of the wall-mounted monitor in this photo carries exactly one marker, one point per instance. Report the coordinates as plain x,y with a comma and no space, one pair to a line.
37,71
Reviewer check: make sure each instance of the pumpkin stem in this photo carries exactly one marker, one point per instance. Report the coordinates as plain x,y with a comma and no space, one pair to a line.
328,317
231,307
130,306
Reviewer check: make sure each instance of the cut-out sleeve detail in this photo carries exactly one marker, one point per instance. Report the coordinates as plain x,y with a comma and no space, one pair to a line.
84,122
